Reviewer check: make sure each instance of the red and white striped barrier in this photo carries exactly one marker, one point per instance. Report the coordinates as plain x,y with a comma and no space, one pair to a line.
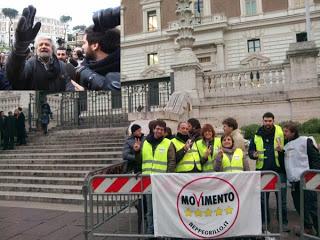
312,180
268,181
121,184
138,185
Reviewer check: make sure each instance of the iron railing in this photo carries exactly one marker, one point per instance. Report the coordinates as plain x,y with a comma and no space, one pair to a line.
92,109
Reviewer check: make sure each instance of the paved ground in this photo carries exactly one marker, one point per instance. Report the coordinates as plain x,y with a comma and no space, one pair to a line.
30,221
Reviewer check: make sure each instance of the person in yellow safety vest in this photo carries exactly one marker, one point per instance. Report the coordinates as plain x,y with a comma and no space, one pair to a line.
157,155
208,147
264,148
229,158
187,155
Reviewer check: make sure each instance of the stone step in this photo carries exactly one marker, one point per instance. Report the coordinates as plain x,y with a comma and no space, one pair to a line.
42,197
40,188
72,167
67,146
90,131
42,180
61,161
64,150
44,173
77,141
114,154
65,138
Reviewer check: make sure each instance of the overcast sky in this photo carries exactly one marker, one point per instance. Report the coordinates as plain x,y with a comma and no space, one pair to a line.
80,10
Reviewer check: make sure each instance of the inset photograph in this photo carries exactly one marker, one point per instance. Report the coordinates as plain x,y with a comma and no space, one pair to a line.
53,47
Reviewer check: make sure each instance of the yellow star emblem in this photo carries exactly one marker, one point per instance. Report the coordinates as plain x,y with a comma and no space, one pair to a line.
208,212
218,212
197,213
188,212
229,210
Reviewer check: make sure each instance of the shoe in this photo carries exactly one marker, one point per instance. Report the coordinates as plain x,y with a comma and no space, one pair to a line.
285,228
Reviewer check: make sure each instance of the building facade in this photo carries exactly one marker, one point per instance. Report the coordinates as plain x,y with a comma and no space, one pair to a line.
50,27
237,43
227,32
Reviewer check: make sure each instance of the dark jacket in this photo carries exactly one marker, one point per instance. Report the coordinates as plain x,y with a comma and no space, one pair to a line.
31,74
128,153
110,64
4,83
105,66
21,122
9,126
268,144
45,113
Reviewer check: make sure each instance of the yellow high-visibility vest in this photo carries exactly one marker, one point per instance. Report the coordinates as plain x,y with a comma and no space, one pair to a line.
278,135
189,160
236,163
157,162
202,147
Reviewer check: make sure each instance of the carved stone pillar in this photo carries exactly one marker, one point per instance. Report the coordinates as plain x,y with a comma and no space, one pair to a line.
220,57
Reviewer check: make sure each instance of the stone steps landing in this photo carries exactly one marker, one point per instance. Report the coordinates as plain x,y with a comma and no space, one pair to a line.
52,168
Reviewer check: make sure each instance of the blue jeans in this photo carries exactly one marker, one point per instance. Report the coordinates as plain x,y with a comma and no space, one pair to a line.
284,214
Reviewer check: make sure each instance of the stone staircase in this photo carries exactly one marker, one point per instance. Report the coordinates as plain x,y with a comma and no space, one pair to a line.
52,168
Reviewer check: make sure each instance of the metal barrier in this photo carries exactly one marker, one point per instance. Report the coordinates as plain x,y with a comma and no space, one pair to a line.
114,169
112,198
271,182
310,181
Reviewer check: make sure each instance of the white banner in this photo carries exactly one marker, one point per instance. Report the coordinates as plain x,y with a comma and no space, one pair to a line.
206,205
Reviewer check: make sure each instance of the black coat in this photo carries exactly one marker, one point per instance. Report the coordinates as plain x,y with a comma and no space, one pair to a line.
9,126
31,74
21,122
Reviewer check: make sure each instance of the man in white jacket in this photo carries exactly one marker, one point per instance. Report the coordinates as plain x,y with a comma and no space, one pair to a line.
300,155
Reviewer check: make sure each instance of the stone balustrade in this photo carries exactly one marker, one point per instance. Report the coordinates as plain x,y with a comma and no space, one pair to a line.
9,103
237,81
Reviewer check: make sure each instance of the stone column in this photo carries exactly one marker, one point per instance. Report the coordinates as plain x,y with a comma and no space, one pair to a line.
207,8
186,63
220,57
302,58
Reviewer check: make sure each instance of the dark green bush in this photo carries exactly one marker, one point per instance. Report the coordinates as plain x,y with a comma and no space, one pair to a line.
311,126
249,130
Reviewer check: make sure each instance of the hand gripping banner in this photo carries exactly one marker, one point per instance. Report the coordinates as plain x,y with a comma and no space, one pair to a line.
206,205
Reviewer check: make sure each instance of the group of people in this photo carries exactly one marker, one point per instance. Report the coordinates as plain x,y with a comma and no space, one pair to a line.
13,129
11,126
95,66
198,149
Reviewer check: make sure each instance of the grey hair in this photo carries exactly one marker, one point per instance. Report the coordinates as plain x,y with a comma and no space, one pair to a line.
54,48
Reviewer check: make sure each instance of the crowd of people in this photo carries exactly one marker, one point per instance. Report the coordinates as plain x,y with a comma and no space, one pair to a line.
94,66
197,148
12,129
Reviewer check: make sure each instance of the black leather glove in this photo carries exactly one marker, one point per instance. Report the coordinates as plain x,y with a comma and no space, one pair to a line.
25,32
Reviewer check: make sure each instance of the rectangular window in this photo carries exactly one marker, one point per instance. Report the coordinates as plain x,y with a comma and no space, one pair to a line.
299,3
153,59
198,7
251,7
152,21
254,45
204,59
302,37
